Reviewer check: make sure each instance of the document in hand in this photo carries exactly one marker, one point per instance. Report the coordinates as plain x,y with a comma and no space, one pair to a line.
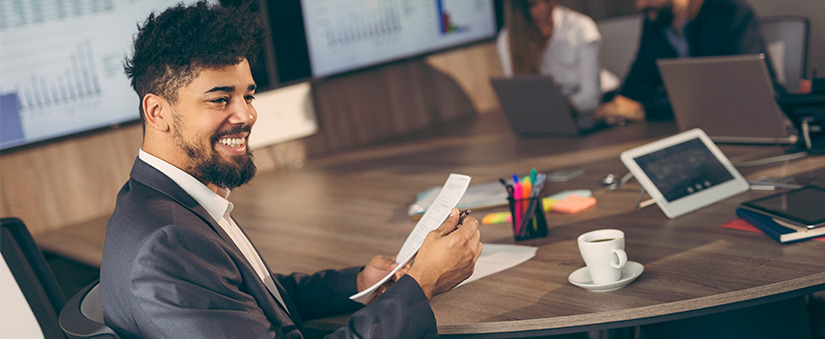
450,194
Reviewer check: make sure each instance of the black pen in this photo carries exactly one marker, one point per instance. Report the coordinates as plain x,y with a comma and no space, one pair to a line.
461,217
460,220
508,186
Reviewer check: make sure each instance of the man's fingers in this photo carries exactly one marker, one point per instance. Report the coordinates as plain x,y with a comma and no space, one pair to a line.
449,224
381,262
469,224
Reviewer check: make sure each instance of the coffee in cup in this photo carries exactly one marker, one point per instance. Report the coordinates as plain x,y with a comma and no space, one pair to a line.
603,253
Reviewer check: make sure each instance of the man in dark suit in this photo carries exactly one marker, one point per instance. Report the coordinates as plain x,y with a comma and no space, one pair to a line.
678,29
176,264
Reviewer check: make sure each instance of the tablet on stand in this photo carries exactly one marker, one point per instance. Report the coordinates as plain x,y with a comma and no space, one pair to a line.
684,172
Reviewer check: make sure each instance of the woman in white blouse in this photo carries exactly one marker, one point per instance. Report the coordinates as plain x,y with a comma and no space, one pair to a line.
542,37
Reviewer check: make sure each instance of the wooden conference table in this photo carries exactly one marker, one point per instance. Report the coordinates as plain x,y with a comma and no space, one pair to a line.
343,209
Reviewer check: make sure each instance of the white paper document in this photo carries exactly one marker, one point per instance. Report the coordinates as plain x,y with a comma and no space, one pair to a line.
499,257
450,194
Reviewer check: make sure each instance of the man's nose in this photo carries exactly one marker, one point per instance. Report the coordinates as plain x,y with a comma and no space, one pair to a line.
243,113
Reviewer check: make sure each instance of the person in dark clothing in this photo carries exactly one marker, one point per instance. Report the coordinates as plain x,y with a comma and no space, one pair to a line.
678,29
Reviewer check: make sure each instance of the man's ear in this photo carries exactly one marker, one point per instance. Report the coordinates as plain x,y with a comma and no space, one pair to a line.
157,112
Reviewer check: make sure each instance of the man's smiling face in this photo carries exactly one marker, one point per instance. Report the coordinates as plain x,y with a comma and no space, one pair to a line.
211,121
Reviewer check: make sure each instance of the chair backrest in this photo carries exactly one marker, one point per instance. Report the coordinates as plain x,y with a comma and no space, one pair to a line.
786,40
32,275
620,41
91,307
82,317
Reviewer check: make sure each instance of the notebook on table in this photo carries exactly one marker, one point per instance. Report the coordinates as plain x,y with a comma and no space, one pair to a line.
731,98
534,106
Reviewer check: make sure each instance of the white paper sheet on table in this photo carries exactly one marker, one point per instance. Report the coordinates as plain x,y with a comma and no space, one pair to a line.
450,194
499,257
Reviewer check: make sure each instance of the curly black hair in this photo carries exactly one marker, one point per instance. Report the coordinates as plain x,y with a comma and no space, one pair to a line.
171,48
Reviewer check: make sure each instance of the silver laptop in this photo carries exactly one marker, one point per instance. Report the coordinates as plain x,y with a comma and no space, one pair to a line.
535,106
731,98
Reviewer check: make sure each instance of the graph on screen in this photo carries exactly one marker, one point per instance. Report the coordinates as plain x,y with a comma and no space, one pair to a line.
62,66
343,35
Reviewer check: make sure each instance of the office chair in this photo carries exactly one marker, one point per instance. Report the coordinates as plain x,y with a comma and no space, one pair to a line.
82,317
620,41
786,39
33,276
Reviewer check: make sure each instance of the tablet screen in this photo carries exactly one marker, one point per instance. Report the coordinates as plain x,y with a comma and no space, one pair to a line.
683,169
802,205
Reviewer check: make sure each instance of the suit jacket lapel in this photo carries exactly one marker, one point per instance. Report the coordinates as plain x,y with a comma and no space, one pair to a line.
151,177
290,307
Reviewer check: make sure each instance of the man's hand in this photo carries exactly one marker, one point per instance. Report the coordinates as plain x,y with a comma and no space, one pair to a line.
447,256
620,109
377,269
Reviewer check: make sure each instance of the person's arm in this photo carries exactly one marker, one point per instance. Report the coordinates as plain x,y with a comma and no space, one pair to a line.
446,258
327,292
642,94
589,94
503,49
740,32
642,78
323,293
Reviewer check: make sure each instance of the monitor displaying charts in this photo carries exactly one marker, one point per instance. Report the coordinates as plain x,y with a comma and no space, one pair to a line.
343,35
61,66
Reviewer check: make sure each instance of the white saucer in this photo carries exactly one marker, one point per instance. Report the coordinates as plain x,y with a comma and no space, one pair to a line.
581,278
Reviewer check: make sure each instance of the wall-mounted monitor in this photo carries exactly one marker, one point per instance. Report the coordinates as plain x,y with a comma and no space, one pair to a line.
61,67
344,35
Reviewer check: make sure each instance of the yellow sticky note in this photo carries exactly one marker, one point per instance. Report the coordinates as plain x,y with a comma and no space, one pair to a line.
496,218
547,203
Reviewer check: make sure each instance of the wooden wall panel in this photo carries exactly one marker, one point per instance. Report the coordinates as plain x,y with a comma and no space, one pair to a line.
362,108
67,182
472,67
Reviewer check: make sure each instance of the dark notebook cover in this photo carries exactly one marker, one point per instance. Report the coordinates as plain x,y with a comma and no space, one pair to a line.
774,230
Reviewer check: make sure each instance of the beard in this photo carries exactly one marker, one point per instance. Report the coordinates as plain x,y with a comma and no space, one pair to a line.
212,168
664,15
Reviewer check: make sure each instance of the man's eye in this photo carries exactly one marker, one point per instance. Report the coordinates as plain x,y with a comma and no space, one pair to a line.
219,100
250,97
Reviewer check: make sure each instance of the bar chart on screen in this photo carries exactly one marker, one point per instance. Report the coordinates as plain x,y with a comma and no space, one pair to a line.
62,66
347,34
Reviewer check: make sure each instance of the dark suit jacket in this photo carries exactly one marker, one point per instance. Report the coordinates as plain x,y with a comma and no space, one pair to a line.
722,27
169,270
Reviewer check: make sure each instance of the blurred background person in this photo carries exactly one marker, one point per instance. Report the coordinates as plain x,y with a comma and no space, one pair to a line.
542,37
679,29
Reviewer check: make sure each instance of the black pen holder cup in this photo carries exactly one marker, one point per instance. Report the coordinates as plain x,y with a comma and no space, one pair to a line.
532,223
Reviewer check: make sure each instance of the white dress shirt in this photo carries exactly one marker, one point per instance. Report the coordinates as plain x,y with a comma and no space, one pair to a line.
571,58
218,207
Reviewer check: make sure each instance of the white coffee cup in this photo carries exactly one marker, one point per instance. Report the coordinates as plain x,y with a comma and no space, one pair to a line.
603,253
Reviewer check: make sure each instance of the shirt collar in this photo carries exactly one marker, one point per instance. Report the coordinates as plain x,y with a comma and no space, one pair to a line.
215,204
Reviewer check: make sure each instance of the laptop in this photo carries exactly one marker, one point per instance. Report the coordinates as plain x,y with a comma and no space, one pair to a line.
534,106
731,98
